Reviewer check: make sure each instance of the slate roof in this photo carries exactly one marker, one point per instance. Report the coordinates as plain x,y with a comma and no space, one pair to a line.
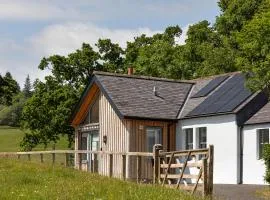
261,117
133,96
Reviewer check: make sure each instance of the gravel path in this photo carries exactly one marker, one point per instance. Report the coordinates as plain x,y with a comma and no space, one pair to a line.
237,192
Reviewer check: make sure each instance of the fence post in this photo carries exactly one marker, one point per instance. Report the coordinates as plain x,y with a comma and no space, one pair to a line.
66,159
156,149
205,181
19,156
95,163
210,169
139,165
110,165
29,157
41,158
124,167
53,154
80,161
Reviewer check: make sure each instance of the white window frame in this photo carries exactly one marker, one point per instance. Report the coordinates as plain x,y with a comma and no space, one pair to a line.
258,143
198,142
186,143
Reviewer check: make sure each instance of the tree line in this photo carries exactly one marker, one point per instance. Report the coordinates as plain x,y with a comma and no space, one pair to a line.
12,99
237,41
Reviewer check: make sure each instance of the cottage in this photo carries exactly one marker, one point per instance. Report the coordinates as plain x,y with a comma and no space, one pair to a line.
127,113
123,113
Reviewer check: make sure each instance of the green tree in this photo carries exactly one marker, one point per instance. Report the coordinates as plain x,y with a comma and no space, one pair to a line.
27,87
112,55
9,88
254,40
47,112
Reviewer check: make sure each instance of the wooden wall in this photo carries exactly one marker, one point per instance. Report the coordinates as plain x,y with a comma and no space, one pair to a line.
117,137
137,141
126,136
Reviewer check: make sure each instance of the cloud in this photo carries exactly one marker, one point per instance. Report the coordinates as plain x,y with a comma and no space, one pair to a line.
65,38
183,37
41,10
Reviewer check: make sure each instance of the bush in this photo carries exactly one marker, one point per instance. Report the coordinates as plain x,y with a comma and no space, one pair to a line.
266,158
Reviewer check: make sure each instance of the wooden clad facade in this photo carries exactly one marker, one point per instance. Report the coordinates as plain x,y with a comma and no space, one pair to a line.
121,135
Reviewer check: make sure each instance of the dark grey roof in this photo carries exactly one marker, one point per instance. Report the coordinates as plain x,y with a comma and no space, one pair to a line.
133,96
262,116
227,97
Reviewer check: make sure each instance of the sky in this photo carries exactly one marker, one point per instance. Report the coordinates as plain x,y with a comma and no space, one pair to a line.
33,29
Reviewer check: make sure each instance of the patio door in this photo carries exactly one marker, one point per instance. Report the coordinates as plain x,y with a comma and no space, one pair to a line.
90,142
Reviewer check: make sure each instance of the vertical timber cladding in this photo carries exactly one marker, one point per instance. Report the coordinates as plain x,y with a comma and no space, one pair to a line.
137,143
115,129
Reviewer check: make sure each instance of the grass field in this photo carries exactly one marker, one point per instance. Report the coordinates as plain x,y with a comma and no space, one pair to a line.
10,140
21,180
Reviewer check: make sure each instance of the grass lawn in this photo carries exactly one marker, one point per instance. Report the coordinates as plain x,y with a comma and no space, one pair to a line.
21,180
10,140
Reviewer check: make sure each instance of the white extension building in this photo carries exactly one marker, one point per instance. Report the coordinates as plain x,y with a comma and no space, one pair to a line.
222,112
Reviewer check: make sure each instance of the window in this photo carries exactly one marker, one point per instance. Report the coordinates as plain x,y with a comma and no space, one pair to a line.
93,114
262,139
84,146
153,136
202,138
189,138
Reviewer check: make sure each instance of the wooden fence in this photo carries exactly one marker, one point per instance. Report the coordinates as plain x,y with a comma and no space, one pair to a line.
68,154
169,168
190,170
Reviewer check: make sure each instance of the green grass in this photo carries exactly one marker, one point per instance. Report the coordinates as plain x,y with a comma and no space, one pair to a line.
26,180
10,140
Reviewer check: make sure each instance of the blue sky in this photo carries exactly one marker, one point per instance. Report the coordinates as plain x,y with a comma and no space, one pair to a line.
32,29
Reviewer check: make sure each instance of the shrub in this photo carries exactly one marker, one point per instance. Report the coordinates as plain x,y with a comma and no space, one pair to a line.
266,158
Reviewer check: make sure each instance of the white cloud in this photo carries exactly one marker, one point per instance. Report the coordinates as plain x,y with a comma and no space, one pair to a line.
41,10
65,38
183,37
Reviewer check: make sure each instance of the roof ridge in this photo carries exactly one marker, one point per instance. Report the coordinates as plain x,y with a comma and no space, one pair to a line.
214,76
143,77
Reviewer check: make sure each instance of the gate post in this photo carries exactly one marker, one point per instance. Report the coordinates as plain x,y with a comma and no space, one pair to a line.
210,169
156,149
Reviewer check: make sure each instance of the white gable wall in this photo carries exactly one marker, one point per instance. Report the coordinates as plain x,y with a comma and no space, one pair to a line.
253,168
222,132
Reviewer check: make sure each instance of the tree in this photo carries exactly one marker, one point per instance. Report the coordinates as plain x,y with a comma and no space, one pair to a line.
254,40
112,55
9,88
27,87
47,112
235,13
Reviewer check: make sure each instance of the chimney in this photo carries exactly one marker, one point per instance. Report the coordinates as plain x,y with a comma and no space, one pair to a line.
130,71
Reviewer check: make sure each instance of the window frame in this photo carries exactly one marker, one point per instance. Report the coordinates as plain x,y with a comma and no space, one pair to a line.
198,137
259,143
147,140
186,144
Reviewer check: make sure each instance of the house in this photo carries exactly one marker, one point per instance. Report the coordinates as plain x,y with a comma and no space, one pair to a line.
127,113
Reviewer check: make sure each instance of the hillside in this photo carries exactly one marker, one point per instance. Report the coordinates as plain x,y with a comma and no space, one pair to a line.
10,140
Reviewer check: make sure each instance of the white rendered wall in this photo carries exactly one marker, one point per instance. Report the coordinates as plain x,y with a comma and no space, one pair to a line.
222,132
253,169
